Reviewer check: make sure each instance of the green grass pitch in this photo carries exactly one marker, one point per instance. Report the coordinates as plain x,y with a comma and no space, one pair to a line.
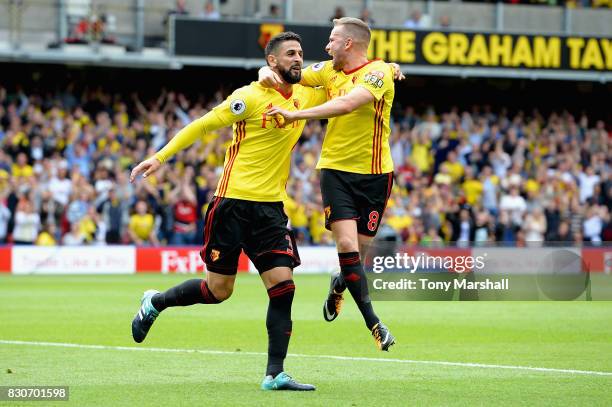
97,310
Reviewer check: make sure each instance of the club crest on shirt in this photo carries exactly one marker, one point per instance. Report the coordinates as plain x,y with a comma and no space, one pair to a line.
327,212
296,103
214,254
375,78
237,106
318,66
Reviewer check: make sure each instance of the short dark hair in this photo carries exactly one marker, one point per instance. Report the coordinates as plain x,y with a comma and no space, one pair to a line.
280,38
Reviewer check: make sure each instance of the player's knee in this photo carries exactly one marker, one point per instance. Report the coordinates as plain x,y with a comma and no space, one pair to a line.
346,244
221,291
223,294
276,269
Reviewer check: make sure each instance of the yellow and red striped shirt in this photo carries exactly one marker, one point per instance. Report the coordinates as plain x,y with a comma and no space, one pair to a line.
258,160
359,141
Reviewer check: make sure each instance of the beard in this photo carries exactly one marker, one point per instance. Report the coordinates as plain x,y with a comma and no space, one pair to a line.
337,62
289,75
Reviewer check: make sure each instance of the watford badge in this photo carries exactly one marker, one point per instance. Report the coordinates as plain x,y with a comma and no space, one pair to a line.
214,254
267,31
327,212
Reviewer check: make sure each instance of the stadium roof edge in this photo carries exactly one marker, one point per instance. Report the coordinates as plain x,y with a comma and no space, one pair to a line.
161,60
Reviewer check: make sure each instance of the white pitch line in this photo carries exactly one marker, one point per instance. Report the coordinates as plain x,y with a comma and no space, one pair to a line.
299,355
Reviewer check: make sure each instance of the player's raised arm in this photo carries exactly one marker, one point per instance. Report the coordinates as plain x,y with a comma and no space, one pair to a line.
268,78
369,88
233,109
335,107
311,76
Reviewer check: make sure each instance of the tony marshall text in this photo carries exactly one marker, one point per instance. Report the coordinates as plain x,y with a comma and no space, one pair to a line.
426,284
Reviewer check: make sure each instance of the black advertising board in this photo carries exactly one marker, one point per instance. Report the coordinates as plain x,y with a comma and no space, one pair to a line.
246,40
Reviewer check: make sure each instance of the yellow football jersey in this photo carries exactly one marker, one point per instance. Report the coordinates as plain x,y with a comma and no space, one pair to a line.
359,141
142,225
258,160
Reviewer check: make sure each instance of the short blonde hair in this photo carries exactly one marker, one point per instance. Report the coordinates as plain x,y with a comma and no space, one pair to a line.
356,29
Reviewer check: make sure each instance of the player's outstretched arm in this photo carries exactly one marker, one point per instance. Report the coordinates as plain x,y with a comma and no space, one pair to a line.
146,167
183,139
335,107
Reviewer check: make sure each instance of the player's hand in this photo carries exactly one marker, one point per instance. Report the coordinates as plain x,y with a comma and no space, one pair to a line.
268,78
286,116
147,167
397,72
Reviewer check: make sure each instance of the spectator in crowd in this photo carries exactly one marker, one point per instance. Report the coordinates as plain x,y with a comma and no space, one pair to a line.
535,226
386,233
338,13
514,204
593,224
463,228
431,239
75,237
60,185
49,209
21,169
454,167
444,22
209,12
562,234
366,16
297,212
180,9
47,236
27,223
482,228
80,157
587,181
415,20
114,212
472,187
184,203
102,184
141,228
500,161
5,216
78,207
274,12
92,228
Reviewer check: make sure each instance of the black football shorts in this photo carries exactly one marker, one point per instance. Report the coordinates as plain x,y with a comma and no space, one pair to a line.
362,197
258,228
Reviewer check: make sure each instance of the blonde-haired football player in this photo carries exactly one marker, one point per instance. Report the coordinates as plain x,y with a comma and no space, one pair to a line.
356,165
